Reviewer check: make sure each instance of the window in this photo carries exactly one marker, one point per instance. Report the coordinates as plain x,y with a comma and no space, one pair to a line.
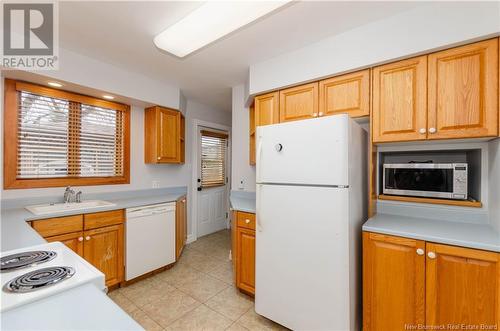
61,138
213,158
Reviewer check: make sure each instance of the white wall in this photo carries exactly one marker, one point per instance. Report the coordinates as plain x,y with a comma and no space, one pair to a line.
494,194
416,31
240,166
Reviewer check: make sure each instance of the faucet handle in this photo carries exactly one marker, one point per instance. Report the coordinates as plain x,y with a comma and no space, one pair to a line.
78,197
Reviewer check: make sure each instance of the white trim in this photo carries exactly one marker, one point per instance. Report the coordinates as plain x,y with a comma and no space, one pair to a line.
194,171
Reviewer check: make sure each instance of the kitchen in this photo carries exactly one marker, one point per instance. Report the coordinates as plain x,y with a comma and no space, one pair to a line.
163,198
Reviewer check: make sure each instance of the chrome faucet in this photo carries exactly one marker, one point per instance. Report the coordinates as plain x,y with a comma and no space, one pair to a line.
78,197
69,195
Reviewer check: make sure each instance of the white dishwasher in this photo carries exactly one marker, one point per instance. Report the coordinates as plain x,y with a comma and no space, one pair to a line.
150,238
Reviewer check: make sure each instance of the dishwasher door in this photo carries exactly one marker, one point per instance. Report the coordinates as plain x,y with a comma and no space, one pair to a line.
150,239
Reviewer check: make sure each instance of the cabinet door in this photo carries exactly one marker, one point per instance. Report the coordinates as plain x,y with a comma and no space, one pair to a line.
300,102
180,226
168,135
393,282
399,111
73,240
267,109
234,246
345,94
462,286
245,274
104,248
463,91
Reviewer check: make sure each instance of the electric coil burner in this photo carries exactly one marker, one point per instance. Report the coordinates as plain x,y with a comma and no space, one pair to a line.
38,279
25,260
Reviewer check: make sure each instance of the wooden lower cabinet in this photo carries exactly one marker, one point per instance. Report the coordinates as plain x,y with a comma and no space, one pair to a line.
243,251
180,226
73,240
408,282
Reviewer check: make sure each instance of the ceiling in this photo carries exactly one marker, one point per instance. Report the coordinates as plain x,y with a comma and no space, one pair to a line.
122,33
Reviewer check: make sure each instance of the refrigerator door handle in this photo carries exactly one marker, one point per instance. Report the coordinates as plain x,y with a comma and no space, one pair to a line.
257,208
259,154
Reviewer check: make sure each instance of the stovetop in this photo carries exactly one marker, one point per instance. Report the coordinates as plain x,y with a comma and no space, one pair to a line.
33,273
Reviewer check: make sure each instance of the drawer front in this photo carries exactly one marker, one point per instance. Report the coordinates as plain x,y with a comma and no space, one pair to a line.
58,225
106,218
246,220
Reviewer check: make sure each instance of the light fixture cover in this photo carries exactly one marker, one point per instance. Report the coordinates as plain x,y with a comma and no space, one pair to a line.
55,84
210,22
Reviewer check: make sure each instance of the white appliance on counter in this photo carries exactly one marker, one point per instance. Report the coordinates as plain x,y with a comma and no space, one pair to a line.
150,238
33,273
311,202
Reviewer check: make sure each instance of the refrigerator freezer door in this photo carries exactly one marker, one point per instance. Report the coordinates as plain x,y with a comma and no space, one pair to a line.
310,152
302,260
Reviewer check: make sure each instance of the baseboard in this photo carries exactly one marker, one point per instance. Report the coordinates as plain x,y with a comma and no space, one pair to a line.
190,239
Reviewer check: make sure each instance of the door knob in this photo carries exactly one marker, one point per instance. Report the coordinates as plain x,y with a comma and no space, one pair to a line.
422,131
87,238
432,130
431,255
420,251
279,147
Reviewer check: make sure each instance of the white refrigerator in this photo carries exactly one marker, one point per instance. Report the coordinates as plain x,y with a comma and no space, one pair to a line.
311,202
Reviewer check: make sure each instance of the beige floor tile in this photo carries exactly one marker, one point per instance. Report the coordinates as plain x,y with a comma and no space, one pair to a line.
206,263
203,287
170,308
178,273
252,321
145,321
218,252
122,301
230,303
224,273
236,327
201,318
147,291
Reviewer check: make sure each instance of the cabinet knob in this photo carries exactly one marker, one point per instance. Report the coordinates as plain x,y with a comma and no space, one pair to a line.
87,238
320,113
432,130
247,221
431,255
158,158
80,238
420,251
422,131
184,200
315,114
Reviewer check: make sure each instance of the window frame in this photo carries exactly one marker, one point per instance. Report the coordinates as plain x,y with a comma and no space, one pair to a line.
10,161
214,134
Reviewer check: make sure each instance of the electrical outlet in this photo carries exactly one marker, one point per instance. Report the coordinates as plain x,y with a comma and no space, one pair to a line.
241,185
155,184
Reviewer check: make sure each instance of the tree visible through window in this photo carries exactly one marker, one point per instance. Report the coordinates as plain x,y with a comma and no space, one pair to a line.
213,158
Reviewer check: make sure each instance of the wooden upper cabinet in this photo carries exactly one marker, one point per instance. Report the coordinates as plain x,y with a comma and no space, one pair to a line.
462,286
393,282
299,102
399,111
267,109
463,91
345,94
164,135
251,129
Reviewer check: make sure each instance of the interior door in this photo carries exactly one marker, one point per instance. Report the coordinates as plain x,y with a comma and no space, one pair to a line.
212,181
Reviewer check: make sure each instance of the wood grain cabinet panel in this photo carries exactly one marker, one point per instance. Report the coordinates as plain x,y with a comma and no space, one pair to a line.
399,111
164,131
267,109
245,275
58,225
393,282
462,286
299,102
104,248
251,121
463,91
345,94
105,218
74,241
180,226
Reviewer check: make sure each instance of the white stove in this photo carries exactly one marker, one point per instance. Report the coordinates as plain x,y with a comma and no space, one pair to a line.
36,272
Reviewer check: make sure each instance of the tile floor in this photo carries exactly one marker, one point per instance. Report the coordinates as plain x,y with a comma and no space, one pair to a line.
196,294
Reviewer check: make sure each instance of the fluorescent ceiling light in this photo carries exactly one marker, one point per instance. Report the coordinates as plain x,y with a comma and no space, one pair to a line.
210,22
55,84
109,97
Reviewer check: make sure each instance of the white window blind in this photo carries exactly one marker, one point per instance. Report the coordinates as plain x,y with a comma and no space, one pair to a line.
213,158
61,138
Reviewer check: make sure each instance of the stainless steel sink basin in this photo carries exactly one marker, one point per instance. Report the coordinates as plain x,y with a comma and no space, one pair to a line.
51,208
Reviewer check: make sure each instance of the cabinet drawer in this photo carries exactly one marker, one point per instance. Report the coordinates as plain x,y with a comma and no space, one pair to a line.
98,220
58,225
246,220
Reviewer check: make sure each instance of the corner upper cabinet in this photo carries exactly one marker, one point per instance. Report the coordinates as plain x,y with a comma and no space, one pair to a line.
299,102
267,109
463,91
346,94
399,111
164,131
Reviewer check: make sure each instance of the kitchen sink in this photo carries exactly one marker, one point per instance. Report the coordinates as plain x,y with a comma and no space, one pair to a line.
51,208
